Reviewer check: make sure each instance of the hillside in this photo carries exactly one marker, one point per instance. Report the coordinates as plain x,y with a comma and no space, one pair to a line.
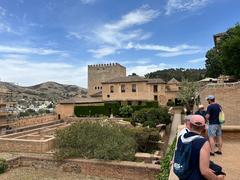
179,74
50,91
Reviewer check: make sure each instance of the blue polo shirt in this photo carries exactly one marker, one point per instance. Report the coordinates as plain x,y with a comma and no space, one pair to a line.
213,110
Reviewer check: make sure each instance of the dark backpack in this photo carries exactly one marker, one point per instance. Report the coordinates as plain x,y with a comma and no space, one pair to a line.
181,165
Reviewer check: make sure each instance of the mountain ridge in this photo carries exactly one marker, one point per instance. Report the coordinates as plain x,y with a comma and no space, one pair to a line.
49,90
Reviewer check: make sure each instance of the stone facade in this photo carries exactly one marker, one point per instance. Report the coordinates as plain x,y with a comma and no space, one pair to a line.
105,83
102,72
228,96
65,110
146,90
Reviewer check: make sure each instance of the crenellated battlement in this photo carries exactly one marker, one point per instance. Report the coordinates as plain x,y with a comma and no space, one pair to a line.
98,73
105,65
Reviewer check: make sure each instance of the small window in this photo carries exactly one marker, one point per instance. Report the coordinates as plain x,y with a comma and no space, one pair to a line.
123,88
95,87
155,88
101,87
108,96
134,88
98,87
155,98
111,89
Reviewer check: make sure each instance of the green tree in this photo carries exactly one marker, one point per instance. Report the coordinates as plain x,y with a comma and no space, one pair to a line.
151,116
179,74
213,63
187,94
230,51
225,57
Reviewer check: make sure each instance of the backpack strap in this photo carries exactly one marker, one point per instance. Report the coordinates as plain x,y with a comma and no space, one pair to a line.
190,139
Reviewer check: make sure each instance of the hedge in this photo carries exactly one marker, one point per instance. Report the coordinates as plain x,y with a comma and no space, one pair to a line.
89,110
83,111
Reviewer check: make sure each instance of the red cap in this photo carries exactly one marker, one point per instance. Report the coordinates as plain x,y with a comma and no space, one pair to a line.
197,120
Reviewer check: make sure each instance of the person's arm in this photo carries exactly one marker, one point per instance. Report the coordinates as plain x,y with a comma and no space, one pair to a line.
204,160
207,113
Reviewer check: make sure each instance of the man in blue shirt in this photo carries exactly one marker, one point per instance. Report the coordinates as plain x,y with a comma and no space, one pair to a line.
214,128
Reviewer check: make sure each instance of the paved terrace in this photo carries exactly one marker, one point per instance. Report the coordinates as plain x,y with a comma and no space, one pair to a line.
230,160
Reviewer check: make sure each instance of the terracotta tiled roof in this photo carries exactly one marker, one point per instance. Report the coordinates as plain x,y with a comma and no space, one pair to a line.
126,79
156,81
133,79
173,81
98,94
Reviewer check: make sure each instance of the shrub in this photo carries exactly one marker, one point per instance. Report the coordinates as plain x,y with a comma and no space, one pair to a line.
170,103
114,106
146,138
3,165
165,162
126,111
151,116
95,140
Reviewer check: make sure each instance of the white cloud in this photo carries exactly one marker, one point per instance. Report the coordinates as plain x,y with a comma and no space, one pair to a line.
75,35
184,5
179,53
29,50
4,25
140,16
103,51
25,72
2,11
167,51
5,28
87,1
144,69
161,47
141,61
116,34
194,61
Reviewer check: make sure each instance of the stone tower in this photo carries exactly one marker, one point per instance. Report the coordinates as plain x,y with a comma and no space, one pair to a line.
103,72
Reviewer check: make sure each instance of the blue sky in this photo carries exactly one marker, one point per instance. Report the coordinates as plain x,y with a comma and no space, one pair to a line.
55,40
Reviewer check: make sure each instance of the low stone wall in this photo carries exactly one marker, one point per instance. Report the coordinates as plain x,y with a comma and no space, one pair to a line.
26,145
228,96
113,169
27,121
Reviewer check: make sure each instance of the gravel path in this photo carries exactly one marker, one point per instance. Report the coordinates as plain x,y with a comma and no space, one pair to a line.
27,173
